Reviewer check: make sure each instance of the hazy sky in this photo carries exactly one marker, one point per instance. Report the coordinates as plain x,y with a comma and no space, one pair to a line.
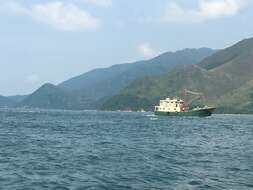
53,40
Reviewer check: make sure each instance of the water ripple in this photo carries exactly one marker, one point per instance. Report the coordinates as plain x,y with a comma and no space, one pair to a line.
51,149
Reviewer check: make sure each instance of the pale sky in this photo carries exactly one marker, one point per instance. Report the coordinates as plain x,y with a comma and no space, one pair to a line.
52,40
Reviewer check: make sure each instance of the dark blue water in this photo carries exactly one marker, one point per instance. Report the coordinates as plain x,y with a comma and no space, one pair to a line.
110,150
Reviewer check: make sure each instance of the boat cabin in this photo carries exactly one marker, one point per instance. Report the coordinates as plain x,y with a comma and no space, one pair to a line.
171,105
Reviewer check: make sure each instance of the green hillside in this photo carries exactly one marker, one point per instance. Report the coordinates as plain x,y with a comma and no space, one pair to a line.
92,89
127,102
225,78
5,102
99,84
17,98
239,100
50,96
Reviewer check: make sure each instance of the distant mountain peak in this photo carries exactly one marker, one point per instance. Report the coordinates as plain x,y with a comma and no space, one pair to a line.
225,78
90,89
50,96
103,83
48,85
227,54
4,101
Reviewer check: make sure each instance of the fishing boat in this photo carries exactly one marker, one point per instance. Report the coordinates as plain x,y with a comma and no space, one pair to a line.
178,107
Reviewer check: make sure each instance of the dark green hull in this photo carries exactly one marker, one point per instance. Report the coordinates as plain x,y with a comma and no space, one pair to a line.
205,112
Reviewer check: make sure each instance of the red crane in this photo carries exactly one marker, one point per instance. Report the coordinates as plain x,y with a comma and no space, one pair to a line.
197,96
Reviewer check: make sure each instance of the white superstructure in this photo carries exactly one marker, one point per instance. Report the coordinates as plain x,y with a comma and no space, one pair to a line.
171,105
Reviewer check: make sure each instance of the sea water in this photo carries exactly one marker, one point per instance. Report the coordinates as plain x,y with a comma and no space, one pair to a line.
50,149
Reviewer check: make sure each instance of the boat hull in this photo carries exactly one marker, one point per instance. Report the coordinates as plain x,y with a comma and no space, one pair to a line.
199,113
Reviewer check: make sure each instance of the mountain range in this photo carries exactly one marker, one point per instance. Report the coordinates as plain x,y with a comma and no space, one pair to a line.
92,89
50,96
6,102
224,77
